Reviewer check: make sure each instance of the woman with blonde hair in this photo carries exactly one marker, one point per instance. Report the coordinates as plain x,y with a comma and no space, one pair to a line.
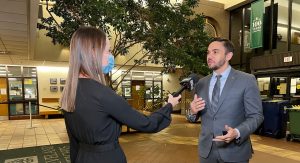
94,112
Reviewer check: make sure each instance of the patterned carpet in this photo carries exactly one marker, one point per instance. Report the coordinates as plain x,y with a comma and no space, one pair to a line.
40,154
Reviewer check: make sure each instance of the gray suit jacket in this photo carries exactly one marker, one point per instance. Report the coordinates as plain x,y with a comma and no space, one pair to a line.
239,107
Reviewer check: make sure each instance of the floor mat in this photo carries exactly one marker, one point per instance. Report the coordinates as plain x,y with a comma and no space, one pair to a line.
41,154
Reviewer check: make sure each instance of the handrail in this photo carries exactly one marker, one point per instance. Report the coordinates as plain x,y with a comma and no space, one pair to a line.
58,108
30,115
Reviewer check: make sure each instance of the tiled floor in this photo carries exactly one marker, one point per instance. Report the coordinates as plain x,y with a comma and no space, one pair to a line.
175,144
20,133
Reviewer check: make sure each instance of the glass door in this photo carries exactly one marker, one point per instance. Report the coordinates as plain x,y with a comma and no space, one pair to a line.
18,87
30,90
15,91
30,95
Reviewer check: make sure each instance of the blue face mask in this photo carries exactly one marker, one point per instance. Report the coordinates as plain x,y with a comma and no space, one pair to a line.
110,65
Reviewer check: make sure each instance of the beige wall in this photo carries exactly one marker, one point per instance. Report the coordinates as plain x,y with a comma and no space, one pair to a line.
231,3
120,60
46,51
216,12
44,75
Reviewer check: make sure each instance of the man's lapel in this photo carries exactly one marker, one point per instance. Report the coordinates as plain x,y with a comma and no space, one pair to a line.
207,82
228,85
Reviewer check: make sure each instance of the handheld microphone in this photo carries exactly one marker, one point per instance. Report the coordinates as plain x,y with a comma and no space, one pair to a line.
187,83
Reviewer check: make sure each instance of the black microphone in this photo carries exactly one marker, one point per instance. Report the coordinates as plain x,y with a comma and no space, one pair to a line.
187,83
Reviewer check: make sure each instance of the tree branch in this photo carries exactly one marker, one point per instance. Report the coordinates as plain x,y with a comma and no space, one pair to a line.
128,61
127,71
115,42
47,8
117,47
75,13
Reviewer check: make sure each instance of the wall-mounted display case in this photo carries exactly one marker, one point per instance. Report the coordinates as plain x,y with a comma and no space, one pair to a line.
18,87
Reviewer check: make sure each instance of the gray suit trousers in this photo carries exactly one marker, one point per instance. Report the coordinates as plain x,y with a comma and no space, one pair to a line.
214,156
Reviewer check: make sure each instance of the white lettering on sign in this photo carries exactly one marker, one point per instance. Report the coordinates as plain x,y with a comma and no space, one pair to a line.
288,59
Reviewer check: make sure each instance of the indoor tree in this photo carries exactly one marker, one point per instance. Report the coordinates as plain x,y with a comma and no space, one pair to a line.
170,34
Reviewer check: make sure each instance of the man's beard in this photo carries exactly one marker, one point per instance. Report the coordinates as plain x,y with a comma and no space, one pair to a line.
218,65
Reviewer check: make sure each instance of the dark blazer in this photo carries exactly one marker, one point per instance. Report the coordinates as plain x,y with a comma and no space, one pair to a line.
95,125
239,107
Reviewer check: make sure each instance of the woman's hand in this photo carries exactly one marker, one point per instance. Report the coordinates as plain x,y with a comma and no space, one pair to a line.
174,100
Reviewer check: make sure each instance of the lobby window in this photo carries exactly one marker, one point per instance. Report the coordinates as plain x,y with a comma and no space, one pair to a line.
14,71
264,86
236,18
278,86
295,87
240,36
29,71
30,88
282,26
2,71
295,26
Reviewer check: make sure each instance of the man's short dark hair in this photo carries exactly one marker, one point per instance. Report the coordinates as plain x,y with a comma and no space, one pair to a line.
227,43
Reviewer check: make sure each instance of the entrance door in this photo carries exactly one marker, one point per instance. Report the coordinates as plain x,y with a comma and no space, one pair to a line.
137,93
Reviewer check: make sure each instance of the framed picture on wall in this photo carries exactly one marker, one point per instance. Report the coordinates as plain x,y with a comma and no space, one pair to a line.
62,81
53,88
53,80
61,88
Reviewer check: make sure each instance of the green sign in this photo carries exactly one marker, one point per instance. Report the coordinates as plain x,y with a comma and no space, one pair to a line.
256,24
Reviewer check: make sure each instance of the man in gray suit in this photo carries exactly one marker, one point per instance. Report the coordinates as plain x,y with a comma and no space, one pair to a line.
230,107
